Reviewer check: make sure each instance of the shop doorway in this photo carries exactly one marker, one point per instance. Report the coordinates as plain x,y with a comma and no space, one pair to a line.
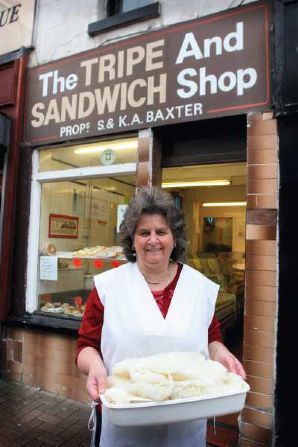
209,151
212,197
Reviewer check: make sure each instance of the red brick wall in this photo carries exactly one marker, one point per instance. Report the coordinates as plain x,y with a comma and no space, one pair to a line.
46,361
256,421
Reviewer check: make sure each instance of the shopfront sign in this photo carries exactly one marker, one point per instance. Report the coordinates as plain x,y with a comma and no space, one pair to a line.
16,24
215,66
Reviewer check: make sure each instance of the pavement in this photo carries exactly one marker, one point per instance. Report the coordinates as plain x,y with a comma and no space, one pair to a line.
31,417
35,418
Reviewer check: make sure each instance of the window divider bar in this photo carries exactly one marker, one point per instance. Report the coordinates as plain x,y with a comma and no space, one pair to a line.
87,172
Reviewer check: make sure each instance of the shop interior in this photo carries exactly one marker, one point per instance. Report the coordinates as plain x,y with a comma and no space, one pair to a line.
213,200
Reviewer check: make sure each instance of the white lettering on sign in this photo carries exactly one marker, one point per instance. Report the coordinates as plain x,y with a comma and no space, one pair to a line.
102,100
231,42
197,81
59,83
124,63
202,83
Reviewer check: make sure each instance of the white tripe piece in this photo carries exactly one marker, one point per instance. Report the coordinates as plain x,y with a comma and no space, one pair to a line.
152,391
174,375
184,364
117,395
142,374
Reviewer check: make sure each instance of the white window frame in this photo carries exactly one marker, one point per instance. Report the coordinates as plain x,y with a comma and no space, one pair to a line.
35,201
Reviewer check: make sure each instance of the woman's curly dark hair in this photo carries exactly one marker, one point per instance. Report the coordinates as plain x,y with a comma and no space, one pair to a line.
153,200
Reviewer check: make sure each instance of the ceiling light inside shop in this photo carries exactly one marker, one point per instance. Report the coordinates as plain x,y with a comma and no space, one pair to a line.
210,204
195,183
99,147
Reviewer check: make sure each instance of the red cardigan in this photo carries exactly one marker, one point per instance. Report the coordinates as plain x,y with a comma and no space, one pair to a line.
91,326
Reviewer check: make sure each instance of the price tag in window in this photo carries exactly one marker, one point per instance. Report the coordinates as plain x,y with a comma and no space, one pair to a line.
48,268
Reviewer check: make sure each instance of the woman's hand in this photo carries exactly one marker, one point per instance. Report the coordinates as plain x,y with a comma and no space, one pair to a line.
96,381
90,363
219,353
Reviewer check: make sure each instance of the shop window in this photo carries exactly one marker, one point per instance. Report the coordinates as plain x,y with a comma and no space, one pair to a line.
118,6
103,153
81,206
123,13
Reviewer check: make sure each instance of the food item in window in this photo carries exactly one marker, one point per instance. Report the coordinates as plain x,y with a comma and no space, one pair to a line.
52,308
62,264
113,252
65,305
47,249
69,310
48,306
169,376
72,310
100,251
89,251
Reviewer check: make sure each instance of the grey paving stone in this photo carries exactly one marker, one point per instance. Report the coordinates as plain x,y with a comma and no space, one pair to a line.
35,418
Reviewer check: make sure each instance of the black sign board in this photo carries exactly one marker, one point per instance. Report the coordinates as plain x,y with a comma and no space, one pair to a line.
214,66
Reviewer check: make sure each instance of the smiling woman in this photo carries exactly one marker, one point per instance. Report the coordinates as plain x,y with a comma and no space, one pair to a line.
150,305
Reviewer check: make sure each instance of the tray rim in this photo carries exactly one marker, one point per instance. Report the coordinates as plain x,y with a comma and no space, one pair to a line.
205,397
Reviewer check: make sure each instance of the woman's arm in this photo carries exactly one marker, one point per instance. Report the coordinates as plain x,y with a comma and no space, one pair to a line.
88,357
218,352
90,363
214,333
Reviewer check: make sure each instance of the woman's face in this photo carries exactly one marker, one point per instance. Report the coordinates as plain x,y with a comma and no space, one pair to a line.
153,240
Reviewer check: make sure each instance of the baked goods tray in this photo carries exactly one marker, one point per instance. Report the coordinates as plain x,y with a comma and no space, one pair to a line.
178,410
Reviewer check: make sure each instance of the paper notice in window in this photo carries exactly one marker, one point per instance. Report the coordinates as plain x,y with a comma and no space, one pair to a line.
48,268
120,214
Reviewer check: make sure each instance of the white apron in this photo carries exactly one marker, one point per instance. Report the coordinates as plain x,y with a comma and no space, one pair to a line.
134,327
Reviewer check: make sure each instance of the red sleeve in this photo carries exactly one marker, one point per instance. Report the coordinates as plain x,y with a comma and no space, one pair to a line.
91,326
214,333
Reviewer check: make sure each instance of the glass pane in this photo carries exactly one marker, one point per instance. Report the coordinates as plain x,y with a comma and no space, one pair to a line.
128,5
94,154
78,239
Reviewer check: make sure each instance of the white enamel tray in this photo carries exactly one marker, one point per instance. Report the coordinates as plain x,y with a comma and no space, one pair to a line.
179,410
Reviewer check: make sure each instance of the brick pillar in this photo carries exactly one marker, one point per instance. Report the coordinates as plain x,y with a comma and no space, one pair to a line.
149,157
259,344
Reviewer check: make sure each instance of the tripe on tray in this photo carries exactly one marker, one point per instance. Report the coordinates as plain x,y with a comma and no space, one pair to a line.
169,376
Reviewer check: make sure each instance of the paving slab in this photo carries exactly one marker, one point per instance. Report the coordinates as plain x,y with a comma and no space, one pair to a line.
31,417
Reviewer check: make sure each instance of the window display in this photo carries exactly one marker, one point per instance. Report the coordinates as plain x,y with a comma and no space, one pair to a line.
79,220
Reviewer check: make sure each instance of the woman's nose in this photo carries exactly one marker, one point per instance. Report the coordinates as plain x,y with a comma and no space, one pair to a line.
153,238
